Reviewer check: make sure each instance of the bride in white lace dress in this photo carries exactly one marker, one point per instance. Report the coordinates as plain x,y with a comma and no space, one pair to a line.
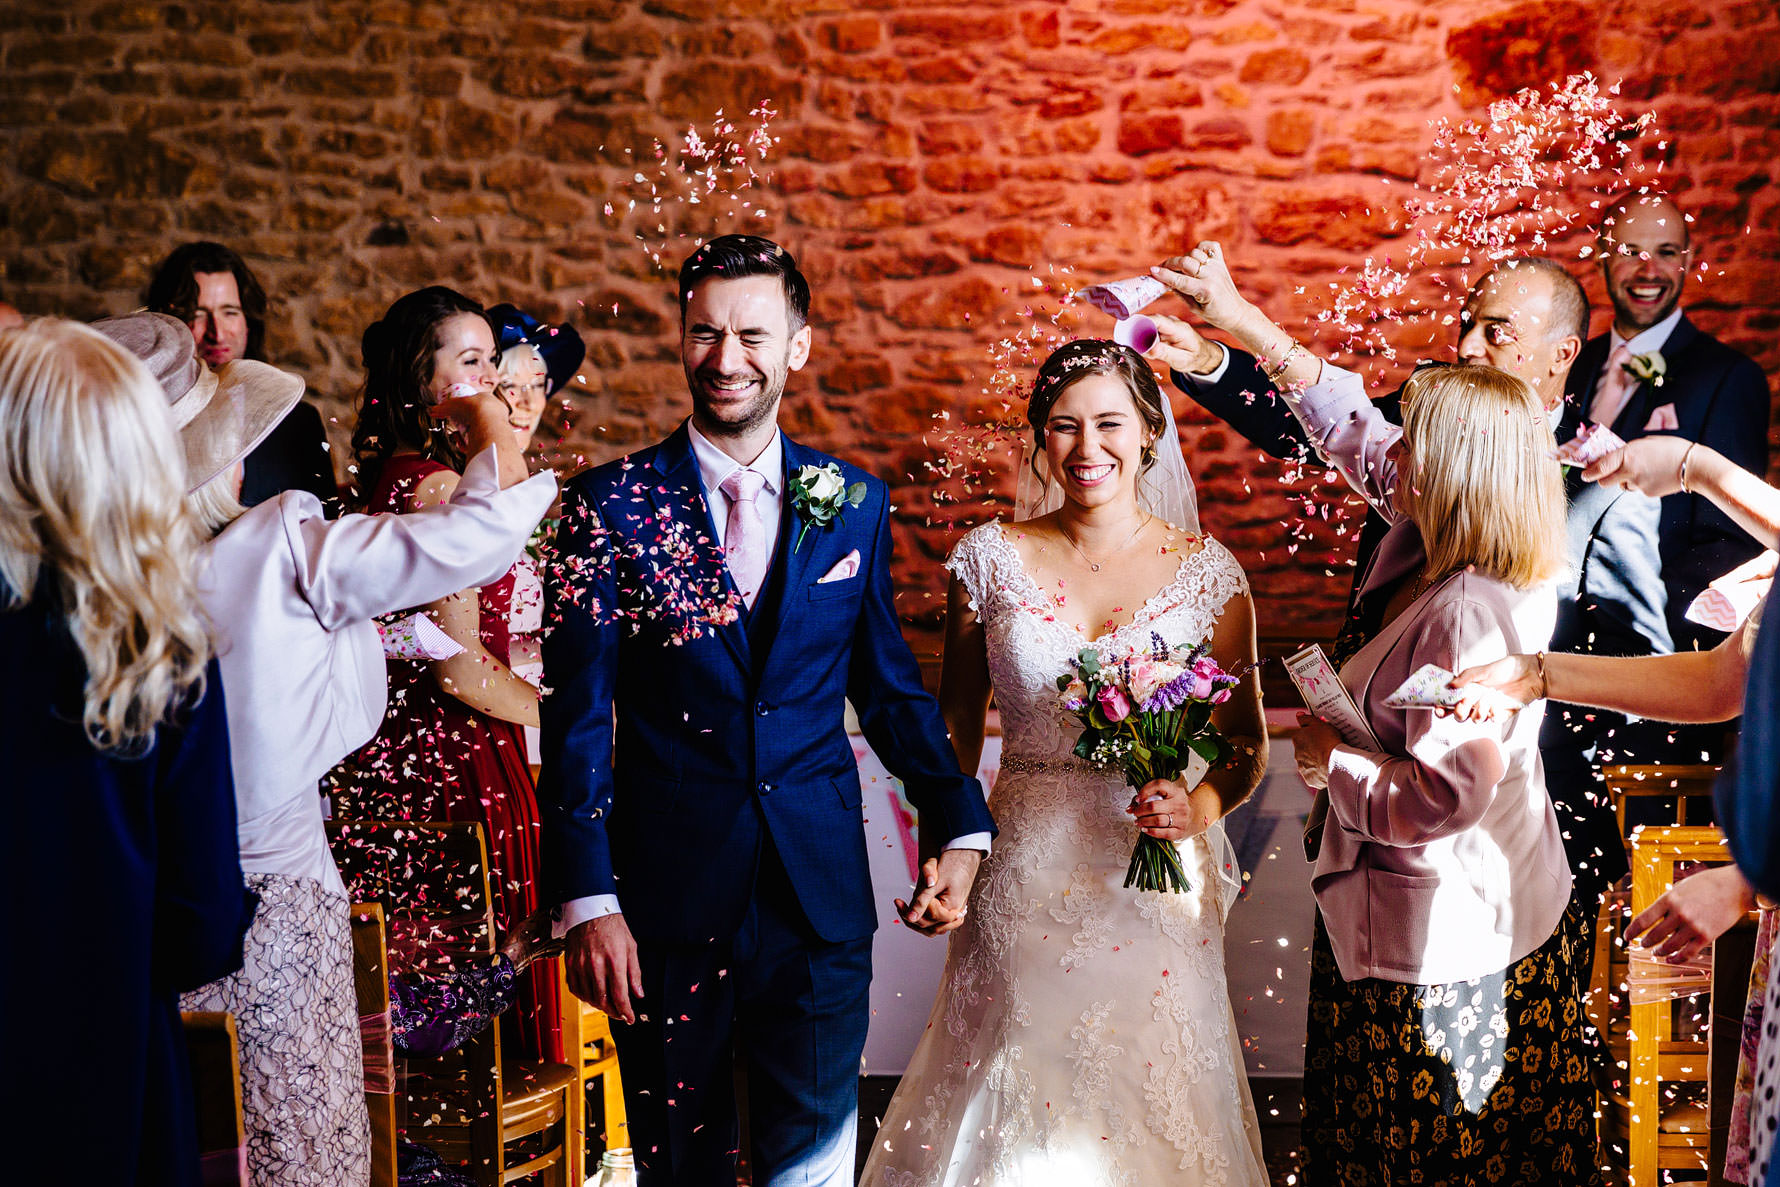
1083,1033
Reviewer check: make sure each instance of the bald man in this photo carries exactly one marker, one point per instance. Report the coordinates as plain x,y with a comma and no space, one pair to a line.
1706,391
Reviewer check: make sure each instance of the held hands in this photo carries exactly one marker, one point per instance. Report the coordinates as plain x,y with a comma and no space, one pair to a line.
944,890
1650,465
1202,277
1518,676
600,959
1166,810
1312,743
1700,907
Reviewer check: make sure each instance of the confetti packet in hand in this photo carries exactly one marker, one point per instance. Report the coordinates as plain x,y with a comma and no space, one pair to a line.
1427,688
417,637
1591,443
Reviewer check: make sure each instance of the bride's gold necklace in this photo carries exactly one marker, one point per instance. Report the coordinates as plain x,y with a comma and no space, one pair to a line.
1094,565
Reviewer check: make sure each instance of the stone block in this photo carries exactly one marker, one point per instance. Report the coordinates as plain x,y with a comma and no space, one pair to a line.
1289,131
1123,39
952,306
871,177
1280,67
956,176
851,34
1527,45
1140,134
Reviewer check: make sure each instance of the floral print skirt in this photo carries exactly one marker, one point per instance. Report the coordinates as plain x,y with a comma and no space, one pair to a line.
1470,1082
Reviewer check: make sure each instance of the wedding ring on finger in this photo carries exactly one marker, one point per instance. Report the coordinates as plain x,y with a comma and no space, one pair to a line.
1170,823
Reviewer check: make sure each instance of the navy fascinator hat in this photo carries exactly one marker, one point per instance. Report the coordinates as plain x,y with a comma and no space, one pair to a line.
561,346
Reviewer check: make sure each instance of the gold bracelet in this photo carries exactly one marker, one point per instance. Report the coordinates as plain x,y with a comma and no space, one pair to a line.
1684,456
1544,688
1277,372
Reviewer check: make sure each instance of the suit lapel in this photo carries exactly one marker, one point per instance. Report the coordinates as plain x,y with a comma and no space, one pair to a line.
680,492
796,559
1393,630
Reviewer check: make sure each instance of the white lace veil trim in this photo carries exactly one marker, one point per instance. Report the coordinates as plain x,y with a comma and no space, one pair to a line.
1165,489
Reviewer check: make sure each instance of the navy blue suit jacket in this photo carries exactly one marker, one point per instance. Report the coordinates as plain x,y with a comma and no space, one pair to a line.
140,856
722,741
1721,400
1615,607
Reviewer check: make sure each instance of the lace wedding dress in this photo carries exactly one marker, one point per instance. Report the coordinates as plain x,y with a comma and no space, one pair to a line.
1083,1034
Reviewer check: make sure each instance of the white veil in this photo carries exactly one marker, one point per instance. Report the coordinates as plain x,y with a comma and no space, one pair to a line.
1164,490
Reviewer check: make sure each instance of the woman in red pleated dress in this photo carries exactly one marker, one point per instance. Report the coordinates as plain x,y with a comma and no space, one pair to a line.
452,745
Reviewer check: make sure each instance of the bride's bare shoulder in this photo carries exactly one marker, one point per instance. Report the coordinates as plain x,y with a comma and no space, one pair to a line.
1032,537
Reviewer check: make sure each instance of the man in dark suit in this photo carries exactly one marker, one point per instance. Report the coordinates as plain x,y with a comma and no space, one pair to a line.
212,290
1526,316
1655,372
726,591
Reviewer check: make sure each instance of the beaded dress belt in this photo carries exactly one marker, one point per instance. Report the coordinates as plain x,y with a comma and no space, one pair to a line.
1071,764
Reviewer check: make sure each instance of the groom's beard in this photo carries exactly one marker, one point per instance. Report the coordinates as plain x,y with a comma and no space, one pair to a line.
736,413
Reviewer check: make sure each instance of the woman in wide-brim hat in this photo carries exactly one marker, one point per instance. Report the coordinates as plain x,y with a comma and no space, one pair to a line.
291,596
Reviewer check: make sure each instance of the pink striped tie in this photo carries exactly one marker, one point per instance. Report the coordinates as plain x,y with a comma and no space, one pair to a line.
744,539
1616,387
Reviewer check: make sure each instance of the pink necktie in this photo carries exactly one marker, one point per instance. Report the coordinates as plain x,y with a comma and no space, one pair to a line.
744,539
1616,388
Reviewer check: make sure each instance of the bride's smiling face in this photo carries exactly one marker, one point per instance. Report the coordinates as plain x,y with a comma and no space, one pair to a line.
1095,440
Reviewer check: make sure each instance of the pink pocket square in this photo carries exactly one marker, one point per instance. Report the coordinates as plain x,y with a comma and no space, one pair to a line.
1662,418
847,566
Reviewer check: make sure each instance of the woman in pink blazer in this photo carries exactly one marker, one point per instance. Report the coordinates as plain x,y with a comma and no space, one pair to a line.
1447,1041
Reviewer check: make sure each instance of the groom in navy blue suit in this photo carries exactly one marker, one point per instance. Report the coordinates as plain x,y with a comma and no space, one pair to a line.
720,599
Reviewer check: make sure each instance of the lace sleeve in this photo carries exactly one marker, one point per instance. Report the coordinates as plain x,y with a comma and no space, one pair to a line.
1210,586
972,562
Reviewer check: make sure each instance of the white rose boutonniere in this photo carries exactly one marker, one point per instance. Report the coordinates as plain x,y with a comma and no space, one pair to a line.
1649,367
820,494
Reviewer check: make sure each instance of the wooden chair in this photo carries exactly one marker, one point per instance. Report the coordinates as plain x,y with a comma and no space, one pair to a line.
370,978
1658,1115
587,1042
214,1051
508,1120
1689,785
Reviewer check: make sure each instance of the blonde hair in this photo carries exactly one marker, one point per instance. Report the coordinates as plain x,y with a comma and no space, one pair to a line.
92,496
1487,494
507,369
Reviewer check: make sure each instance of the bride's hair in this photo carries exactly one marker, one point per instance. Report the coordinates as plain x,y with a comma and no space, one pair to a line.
1075,361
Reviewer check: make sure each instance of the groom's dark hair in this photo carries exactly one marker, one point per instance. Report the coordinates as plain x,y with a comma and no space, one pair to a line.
732,256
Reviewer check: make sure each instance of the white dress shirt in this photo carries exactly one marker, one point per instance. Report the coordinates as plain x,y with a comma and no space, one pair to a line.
290,596
1643,342
714,468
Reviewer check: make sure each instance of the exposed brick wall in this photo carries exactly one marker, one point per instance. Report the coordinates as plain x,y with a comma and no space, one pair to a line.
933,154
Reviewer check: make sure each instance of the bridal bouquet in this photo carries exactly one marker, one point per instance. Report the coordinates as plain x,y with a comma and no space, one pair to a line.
1148,714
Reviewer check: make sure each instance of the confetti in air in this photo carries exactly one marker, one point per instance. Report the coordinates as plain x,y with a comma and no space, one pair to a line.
718,172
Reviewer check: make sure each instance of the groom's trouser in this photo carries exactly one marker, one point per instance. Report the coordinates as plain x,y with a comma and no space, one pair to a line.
791,1006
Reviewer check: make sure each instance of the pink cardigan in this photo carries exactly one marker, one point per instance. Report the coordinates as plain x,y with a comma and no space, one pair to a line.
1441,858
